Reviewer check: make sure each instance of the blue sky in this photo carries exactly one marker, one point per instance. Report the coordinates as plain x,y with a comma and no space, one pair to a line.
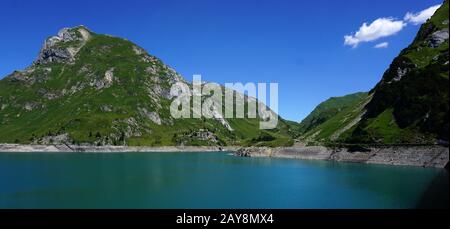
298,44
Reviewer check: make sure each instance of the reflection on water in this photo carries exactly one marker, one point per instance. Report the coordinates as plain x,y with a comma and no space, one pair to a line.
210,180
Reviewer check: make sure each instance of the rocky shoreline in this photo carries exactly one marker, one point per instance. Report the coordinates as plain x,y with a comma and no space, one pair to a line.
421,156
109,149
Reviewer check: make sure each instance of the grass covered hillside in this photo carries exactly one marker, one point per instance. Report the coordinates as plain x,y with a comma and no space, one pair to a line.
408,105
88,88
333,117
328,109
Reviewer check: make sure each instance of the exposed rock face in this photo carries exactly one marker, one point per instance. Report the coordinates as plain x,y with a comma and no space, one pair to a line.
156,91
104,82
153,116
438,37
109,76
221,119
400,73
399,69
132,127
106,108
47,94
29,106
214,112
138,50
205,135
54,55
30,75
17,76
151,70
63,47
57,139
172,76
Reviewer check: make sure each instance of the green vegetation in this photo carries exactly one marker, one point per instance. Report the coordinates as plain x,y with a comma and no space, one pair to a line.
349,112
414,89
409,104
73,101
328,109
385,127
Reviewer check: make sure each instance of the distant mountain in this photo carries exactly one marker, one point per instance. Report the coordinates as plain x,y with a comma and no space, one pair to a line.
333,117
88,88
328,109
408,105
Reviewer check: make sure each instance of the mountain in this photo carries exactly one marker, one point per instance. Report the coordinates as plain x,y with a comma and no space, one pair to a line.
333,118
408,105
328,109
88,88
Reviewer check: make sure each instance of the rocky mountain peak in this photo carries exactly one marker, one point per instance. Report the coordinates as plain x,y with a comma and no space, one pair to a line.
78,33
64,46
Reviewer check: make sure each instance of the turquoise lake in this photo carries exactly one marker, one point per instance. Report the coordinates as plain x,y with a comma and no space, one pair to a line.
210,180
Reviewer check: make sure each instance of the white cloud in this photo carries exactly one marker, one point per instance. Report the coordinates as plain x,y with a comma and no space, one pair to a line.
382,45
382,27
422,16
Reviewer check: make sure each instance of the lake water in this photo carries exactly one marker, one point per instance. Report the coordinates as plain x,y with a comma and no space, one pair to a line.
210,180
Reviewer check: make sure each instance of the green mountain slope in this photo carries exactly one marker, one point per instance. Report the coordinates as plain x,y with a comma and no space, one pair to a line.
409,104
345,113
328,109
87,88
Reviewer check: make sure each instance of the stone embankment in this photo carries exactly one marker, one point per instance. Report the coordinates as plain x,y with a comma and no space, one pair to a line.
423,156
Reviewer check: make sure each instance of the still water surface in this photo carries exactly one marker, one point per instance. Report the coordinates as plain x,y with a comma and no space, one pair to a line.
210,180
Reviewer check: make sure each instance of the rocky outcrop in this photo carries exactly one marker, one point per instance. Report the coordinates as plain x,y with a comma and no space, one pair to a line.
29,106
105,82
153,116
54,139
218,116
438,37
109,77
106,108
205,135
63,47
